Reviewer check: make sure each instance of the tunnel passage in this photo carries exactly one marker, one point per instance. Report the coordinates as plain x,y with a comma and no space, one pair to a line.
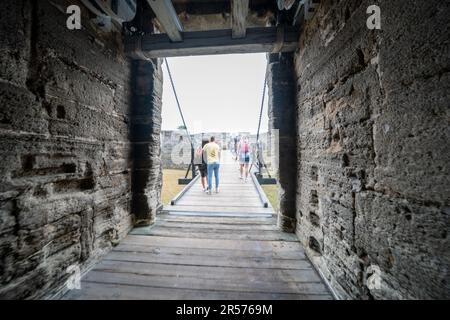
365,181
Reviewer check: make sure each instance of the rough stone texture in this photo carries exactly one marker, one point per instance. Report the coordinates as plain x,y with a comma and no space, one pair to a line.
65,182
80,155
146,140
373,178
282,123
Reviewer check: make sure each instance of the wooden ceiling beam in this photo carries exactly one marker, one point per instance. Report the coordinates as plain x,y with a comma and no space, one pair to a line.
257,40
168,18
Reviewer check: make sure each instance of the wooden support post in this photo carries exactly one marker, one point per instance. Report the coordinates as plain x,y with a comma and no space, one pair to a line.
282,117
239,12
310,8
145,124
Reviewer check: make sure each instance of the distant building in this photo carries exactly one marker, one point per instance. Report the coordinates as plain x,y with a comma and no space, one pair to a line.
176,149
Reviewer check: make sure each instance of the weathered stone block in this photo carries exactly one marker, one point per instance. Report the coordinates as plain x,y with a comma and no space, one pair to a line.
404,238
65,149
372,140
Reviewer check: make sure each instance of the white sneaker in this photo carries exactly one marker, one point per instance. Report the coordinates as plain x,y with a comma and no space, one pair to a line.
217,190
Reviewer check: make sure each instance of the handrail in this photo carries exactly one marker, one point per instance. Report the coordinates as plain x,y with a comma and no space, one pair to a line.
261,193
183,192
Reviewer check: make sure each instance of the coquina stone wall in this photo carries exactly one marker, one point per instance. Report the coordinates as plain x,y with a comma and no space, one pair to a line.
65,152
80,159
373,148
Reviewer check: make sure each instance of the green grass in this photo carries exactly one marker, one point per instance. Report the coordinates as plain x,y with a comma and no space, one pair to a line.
170,184
271,192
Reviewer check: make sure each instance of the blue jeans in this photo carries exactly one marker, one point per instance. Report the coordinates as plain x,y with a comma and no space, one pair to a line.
213,168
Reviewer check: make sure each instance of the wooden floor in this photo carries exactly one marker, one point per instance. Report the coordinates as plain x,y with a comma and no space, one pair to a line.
220,246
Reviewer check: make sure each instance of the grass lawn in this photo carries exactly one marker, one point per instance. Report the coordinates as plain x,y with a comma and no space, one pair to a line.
272,194
170,184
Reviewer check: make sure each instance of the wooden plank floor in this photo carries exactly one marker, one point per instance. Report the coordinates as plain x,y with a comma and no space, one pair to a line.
223,246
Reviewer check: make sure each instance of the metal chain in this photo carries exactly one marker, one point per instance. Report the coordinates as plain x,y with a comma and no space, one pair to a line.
262,103
178,102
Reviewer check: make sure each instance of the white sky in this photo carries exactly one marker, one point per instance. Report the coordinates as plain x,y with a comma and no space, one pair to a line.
220,93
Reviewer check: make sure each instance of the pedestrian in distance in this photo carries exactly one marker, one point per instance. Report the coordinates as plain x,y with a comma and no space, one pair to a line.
244,155
213,154
203,166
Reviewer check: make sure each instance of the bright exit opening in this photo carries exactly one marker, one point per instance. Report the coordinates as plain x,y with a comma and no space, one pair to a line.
219,95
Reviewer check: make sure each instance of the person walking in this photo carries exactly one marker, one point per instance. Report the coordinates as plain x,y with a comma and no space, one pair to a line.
203,167
212,151
244,158
235,147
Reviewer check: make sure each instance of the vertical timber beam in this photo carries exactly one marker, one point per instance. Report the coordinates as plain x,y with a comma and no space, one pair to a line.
145,131
282,117
239,13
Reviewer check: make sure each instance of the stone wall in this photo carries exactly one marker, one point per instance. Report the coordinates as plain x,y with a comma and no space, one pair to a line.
373,180
65,153
282,124
147,79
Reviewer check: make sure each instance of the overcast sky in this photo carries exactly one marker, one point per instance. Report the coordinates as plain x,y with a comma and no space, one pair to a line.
220,93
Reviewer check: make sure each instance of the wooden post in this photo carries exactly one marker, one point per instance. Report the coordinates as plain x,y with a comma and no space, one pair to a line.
282,117
239,12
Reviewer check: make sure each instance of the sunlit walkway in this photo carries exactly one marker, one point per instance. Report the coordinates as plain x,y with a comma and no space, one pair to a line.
235,196
220,246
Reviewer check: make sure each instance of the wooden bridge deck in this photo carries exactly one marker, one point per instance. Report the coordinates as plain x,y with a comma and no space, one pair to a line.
223,246
235,196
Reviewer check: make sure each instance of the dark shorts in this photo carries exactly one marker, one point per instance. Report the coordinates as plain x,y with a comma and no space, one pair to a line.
244,159
203,168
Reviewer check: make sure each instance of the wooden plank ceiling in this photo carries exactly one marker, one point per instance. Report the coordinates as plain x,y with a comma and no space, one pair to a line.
198,27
